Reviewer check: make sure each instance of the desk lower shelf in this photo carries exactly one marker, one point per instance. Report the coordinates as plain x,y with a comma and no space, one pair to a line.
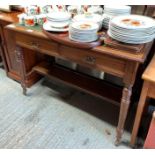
80,81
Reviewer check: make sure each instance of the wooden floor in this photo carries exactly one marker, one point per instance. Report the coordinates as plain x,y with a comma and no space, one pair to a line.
55,118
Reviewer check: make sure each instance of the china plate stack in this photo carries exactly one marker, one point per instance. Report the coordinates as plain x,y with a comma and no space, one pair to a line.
113,11
57,22
90,17
134,29
106,20
117,10
83,31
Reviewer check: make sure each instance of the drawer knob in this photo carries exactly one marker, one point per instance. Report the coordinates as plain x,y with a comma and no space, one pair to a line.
90,59
34,44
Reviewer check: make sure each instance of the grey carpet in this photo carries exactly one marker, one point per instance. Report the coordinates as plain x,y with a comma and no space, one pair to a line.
56,117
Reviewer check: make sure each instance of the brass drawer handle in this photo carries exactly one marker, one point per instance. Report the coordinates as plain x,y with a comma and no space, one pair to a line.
90,60
34,44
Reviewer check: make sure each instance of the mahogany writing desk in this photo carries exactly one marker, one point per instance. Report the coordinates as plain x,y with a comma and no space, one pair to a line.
119,63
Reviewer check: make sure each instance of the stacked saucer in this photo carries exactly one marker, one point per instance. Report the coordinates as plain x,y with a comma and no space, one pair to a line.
113,11
134,29
83,31
57,22
117,10
106,20
89,17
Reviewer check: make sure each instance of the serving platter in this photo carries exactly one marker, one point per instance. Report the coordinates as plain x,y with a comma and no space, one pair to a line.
58,16
63,38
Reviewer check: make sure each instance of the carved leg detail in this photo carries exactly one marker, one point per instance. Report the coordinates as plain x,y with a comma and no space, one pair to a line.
20,59
125,102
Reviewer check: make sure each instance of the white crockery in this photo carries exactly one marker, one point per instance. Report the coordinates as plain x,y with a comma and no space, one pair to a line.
57,22
134,29
59,16
83,31
89,18
48,27
111,11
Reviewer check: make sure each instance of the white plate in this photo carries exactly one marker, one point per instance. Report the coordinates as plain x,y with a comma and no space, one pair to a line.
58,20
48,27
127,40
133,22
130,38
87,32
83,36
83,32
132,29
59,16
134,33
85,26
116,11
58,24
84,41
89,18
117,7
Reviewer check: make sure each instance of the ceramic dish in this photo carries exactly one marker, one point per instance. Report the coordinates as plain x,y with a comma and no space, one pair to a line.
85,26
89,18
134,22
134,29
83,31
59,16
59,24
48,27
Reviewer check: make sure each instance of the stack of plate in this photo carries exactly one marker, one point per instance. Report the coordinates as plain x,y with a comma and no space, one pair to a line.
83,31
57,22
117,10
134,29
113,11
89,17
106,20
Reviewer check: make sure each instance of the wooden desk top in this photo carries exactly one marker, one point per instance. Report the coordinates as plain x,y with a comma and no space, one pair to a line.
121,54
10,17
149,73
140,57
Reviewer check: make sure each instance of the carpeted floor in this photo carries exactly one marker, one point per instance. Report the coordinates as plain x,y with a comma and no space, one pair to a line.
55,117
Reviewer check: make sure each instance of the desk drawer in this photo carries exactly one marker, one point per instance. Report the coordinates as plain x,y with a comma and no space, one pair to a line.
34,43
94,60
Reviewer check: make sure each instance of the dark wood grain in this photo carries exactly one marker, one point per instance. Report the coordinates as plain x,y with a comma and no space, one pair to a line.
9,54
82,82
136,48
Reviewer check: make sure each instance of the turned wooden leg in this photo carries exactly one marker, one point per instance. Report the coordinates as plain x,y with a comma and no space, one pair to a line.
125,102
139,112
20,59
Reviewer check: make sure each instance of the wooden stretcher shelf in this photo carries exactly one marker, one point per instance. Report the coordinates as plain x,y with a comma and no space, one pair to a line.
79,81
